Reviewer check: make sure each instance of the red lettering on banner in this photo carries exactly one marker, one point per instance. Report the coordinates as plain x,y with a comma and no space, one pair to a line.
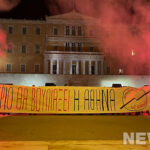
25,98
55,97
38,97
47,93
50,99
66,93
60,99
19,98
65,99
68,99
3,96
43,96
33,100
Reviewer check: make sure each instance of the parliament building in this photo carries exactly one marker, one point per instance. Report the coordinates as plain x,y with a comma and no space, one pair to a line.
61,44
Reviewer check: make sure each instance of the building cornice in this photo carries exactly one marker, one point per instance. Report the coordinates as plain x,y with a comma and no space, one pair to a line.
21,21
74,53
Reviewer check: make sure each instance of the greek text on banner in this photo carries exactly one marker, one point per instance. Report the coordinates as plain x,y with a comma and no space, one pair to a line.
73,100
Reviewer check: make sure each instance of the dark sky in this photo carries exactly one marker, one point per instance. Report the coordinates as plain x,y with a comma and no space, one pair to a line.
28,9
37,9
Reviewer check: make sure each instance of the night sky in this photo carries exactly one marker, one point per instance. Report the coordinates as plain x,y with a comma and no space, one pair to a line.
37,9
28,9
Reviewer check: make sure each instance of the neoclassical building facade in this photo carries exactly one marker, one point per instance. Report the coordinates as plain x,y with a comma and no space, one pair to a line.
64,44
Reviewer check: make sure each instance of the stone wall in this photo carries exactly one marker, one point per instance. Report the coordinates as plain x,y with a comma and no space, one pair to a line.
60,80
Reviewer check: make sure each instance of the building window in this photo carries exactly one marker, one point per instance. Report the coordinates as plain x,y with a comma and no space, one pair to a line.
92,70
108,70
36,68
55,31
54,69
9,50
79,31
10,30
37,49
91,33
8,67
24,30
24,49
73,31
73,69
67,47
67,30
91,49
10,46
38,31
22,68
73,47
55,48
79,47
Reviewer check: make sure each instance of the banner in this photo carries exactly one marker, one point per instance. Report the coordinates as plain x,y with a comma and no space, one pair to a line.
73,100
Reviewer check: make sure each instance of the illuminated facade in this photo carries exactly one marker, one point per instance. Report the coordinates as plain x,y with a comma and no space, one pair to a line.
61,45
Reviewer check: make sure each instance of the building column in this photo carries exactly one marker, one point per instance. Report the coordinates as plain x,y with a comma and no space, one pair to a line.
51,70
90,67
57,66
64,67
77,67
102,67
71,67
83,67
96,67
45,66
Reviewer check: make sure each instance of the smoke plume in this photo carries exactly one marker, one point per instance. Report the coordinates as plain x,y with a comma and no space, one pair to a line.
123,29
3,43
6,5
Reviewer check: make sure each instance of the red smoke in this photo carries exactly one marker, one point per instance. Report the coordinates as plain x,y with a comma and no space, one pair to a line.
6,5
123,27
3,43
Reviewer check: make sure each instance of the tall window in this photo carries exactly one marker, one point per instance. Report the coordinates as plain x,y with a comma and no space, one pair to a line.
37,68
73,31
93,70
67,47
67,30
55,31
91,49
8,67
73,47
24,30
54,69
38,31
10,30
79,31
74,69
37,49
55,47
24,49
9,50
108,70
79,47
91,33
22,68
